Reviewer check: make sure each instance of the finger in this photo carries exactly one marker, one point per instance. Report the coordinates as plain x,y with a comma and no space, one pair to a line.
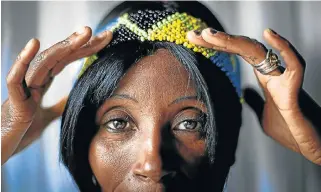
46,60
196,38
59,107
255,101
17,87
90,48
292,58
251,50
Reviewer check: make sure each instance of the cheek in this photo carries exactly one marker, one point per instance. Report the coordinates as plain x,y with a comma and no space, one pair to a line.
191,149
110,160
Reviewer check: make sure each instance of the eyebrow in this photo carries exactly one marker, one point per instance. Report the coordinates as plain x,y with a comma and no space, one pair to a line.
180,99
123,96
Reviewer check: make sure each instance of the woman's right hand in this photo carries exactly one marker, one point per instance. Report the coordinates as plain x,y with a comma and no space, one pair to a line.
23,118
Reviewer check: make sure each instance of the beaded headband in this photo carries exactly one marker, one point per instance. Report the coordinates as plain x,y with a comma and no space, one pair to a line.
171,26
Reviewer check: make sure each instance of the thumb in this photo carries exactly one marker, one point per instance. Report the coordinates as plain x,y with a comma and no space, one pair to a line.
255,101
55,111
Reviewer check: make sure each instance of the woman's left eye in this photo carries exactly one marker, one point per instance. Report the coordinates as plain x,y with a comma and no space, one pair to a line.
117,125
189,125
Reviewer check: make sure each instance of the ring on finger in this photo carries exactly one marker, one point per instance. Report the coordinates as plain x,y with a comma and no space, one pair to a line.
269,64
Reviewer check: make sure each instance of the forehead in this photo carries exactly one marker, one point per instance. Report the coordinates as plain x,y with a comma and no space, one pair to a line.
159,76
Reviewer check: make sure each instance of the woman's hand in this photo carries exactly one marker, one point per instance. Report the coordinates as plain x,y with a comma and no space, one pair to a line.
23,118
283,117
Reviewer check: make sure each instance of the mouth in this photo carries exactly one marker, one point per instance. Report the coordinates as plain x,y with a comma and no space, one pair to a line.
171,183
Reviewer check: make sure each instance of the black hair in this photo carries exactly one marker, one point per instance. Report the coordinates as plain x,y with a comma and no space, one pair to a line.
101,79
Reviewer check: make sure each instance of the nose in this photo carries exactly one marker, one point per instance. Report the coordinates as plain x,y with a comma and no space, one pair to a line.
149,165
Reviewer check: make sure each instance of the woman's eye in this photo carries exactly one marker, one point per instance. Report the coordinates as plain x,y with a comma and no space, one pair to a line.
189,125
117,125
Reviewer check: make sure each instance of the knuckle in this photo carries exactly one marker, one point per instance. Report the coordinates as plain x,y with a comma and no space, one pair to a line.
64,43
286,44
317,160
300,69
18,57
41,57
245,38
88,44
229,42
10,77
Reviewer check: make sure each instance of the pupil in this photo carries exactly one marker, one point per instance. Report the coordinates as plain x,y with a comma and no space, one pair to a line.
118,124
190,124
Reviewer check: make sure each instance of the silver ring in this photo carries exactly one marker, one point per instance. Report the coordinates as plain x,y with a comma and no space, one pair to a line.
269,64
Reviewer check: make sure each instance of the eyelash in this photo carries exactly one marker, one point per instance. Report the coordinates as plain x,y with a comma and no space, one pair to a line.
199,124
125,119
129,124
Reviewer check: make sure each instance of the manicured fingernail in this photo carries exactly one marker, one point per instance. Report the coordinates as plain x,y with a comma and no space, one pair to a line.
272,31
197,32
81,31
213,31
28,46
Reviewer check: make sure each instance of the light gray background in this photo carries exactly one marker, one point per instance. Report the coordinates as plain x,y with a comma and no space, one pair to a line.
262,165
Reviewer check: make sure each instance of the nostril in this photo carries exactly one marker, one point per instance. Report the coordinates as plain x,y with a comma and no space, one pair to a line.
142,177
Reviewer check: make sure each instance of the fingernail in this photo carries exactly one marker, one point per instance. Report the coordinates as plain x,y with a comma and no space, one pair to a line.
197,32
81,31
213,31
272,31
28,46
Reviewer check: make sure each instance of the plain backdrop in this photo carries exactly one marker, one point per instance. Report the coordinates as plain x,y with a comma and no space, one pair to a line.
262,165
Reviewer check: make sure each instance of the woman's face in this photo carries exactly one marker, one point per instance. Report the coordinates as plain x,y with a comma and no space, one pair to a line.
150,135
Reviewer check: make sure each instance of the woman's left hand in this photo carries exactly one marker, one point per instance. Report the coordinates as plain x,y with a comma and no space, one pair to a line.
282,117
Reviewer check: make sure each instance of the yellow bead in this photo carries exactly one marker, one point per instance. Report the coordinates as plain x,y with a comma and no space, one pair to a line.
195,49
189,46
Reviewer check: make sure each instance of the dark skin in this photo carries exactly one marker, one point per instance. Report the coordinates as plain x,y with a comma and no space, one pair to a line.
286,113
284,117
154,109
23,119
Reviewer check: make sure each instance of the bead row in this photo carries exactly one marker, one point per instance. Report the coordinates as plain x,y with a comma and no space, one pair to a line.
173,28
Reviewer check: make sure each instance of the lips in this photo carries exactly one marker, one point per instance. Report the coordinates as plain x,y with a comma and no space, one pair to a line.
170,183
